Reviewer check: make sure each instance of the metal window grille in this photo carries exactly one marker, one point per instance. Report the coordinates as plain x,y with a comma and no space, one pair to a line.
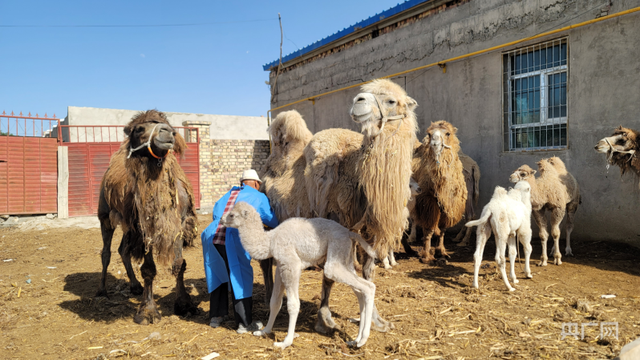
535,96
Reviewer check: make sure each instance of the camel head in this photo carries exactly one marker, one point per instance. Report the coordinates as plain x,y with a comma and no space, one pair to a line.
150,134
381,101
525,191
241,214
441,138
620,147
524,172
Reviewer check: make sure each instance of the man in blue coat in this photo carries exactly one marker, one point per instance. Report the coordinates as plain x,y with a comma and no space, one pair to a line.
226,263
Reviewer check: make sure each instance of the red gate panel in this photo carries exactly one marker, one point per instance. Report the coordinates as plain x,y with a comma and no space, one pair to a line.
28,175
89,161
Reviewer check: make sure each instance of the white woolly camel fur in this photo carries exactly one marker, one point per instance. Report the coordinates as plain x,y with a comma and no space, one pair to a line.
295,245
390,260
283,179
555,190
508,214
362,180
438,170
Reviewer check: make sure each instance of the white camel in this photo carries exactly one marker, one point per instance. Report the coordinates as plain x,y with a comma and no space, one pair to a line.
509,215
295,245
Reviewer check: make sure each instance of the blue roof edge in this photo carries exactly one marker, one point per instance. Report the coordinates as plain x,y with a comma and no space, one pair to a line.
408,4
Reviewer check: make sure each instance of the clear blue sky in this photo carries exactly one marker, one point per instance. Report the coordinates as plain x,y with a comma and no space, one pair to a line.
55,54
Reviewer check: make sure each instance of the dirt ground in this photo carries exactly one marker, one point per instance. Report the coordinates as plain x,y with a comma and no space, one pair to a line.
47,309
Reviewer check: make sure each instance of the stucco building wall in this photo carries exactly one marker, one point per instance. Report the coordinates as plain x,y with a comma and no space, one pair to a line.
602,90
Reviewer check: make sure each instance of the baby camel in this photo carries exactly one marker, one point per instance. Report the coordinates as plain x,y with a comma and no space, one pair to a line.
508,214
296,244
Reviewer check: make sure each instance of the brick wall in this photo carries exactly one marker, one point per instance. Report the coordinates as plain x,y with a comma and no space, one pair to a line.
222,162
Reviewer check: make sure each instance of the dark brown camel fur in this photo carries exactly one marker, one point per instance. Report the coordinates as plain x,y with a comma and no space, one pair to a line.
146,192
621,148
438,170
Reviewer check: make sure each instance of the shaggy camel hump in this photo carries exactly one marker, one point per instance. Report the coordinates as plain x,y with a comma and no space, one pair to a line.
146,192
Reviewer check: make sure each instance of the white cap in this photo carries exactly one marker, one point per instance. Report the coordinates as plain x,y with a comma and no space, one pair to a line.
250,175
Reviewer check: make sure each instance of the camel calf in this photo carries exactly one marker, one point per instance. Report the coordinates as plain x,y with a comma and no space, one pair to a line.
508,214
296,244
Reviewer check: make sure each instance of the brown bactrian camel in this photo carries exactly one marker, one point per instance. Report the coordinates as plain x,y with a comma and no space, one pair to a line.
471,172
438,170
555,190
283,179
621,148
146,192
362,180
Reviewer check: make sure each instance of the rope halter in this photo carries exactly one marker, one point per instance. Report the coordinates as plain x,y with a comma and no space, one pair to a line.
385,118
148,146
612,150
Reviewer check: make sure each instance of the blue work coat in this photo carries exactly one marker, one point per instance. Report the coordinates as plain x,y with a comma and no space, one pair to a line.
240,274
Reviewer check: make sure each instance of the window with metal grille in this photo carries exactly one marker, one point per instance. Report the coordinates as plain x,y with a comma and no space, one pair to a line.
535,97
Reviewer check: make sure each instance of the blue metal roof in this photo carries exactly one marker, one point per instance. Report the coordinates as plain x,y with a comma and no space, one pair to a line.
348,30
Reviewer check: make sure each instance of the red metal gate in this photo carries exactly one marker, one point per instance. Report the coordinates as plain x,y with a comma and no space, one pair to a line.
90,149
28,165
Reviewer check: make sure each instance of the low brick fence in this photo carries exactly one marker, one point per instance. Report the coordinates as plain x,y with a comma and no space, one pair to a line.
222,162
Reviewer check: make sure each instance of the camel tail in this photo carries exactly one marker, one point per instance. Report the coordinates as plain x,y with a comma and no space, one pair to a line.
367,248
485,217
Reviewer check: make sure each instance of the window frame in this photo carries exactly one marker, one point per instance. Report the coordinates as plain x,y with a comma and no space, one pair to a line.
544,119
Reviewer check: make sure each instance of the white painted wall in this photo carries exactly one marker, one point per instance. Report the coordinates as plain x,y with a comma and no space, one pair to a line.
223,127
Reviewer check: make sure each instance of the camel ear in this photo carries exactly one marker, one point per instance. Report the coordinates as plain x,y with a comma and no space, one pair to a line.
619,127
245,213
411,103
533,172
127,130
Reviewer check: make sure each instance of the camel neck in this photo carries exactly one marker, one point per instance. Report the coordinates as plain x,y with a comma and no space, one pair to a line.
255,240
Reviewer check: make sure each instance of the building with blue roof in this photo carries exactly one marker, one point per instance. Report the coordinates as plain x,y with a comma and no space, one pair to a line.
521,80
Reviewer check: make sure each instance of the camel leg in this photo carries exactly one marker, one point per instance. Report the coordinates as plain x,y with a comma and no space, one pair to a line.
440,250
512,258
482,235
409,239
541,221
425,256
107,236
267,274
290,275
274,307
183,305
325,324
368,272
364,291
501,247
134,286
467,236
556,219
524,237
147,311
571,211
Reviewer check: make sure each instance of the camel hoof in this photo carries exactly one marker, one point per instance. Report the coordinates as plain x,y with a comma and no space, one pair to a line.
542,263
281,345
102,293
512,289
568,252
325,324
426,260
464,243
185,308
557,262
136,289
147,316
529,276
515,281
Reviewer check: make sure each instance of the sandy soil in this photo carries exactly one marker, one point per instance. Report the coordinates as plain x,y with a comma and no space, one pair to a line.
47,309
